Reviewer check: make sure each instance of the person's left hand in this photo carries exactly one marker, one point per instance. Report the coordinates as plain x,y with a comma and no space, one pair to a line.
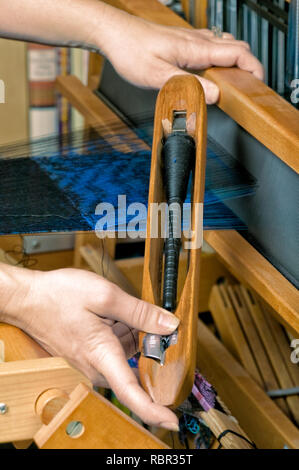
91,322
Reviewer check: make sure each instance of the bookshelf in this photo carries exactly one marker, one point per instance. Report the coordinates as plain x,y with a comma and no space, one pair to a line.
49,113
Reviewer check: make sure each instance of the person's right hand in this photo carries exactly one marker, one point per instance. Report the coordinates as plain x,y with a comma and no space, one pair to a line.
72,314
148,54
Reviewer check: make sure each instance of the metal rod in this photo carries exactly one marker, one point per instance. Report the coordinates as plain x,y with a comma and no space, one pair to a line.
284,392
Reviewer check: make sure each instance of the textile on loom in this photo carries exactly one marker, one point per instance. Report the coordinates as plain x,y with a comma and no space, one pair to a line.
49,185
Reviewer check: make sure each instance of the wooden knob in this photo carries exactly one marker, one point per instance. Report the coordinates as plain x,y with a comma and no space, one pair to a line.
49,403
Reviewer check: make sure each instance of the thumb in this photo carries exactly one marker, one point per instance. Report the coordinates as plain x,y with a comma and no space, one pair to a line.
141,315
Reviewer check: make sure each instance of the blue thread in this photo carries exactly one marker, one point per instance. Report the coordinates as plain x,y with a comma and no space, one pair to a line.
59,190
192,424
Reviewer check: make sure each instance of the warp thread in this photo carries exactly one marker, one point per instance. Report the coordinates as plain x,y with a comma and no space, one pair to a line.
52,185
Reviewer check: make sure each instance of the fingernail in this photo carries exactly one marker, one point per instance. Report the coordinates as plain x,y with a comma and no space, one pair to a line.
170,426
169,321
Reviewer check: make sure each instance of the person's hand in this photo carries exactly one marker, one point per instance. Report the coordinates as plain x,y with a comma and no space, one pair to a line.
144,53
147,54
92,323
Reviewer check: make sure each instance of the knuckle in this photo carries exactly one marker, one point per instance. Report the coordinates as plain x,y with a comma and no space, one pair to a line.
121,393
241,51
121,390
93,375
244,44
228,36
140,313
107,293
98,356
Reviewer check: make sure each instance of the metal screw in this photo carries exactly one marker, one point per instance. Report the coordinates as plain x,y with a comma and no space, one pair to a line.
74,429
35,244
3,408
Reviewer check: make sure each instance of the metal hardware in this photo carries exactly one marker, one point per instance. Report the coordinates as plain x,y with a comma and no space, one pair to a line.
154,346
283,392
179,121
74,429
47,243
3,408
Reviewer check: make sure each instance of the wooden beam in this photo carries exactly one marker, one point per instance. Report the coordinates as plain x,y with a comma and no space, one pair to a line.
150,10
233,338
257,414
280,366
21,383
19,346
253,340
231,332
260,111
104,426
257,346
211,270
252,104
102,264
251,268
198,17
97,114
42,261
219,422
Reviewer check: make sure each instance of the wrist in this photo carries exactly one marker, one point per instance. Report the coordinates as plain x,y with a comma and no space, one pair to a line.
15,286
107,26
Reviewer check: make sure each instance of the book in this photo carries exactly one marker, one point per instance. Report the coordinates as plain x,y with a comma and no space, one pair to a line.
77,69
63,106
42,72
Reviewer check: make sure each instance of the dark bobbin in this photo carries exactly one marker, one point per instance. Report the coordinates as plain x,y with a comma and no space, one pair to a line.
178,156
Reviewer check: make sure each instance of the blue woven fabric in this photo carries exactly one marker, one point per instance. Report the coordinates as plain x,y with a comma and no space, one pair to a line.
60,192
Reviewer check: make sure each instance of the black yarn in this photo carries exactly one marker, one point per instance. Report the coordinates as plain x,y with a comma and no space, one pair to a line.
227,431
178,156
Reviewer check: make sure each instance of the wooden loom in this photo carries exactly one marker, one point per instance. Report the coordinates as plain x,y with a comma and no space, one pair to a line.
262,113
53,392
274,123
238,90
37,389
60,397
